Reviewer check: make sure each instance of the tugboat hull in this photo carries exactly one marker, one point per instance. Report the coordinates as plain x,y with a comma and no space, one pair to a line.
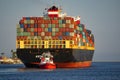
47,66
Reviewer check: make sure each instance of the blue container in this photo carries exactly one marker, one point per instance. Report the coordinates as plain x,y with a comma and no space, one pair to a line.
63,21
21,25
49,29
67,33
27,18
28,25
60,37
35,34
35,25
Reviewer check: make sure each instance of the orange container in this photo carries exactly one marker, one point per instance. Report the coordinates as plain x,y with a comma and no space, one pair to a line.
84,40
35,29
32,34
75,26
28,29
67,25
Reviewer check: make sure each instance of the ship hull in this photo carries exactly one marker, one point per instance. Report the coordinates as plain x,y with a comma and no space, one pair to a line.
63,58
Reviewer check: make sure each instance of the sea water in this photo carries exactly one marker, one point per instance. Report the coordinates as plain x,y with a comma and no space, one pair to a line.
98,71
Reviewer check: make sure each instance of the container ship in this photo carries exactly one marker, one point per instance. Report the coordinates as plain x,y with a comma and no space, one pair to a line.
65,37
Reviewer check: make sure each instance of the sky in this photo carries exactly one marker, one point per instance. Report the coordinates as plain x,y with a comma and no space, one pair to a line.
102,17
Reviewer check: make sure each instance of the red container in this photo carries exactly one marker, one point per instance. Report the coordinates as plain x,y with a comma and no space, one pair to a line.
39,33
18,37
39,30
46,25
25,25
77,22
21,22
71,29
46,33
39,25
57,25
35,21
39,18
63,29
32,25
59,33
24,18
67,29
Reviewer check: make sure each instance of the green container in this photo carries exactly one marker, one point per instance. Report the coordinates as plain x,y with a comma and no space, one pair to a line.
56,29
24,34
71,25
42,25
84,36
18,34
60,25
27,33
28,21
46,29
83,33
53,25
60,21
32,29
55,18
18,30
18,25
46,18
49,25
53,33
80,28
82,43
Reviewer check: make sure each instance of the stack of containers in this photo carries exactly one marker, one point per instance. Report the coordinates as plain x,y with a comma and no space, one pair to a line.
31,29
84,36
52,28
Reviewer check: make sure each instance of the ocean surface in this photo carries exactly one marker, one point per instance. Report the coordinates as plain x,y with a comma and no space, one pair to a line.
98,71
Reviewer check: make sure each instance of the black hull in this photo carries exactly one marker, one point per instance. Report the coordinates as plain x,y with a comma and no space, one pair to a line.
28,56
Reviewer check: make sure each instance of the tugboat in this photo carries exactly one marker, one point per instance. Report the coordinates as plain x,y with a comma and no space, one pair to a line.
46,61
